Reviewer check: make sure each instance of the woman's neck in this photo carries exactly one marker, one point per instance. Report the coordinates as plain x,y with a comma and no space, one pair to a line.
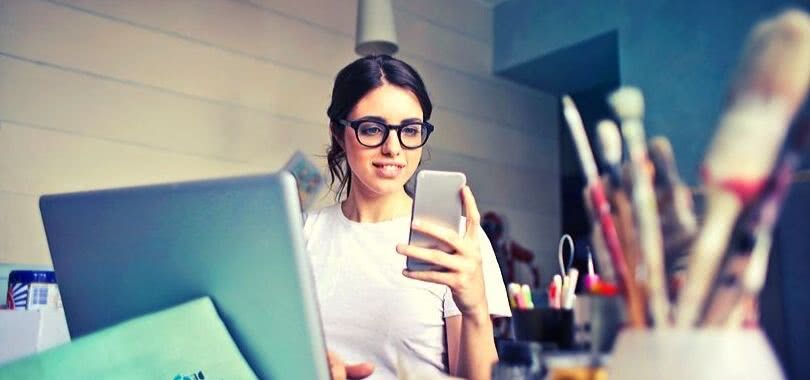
362,208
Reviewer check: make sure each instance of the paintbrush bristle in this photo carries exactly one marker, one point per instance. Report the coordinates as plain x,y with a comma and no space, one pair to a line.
770,84
611,142
776,59
567,101
660,153
628,103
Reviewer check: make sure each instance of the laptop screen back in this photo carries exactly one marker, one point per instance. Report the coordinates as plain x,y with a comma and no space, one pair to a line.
122,253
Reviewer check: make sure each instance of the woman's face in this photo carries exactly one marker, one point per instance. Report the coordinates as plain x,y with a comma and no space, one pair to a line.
385,169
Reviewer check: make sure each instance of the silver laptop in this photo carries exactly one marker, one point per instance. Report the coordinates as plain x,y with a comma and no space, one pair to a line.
122,253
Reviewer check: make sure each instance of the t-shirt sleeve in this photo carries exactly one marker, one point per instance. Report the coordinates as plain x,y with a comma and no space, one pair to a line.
497,300
493,280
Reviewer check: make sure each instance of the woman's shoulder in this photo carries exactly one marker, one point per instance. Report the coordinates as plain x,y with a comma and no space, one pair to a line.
323,214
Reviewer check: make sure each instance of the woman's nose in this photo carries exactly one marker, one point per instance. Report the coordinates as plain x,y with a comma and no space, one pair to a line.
391,145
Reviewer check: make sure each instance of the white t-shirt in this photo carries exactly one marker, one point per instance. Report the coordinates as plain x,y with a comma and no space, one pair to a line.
370,311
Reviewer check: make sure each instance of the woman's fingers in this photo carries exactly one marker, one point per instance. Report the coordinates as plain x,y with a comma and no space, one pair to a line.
471,210
337,369
342,371
433,256
443,278
442,234
359,371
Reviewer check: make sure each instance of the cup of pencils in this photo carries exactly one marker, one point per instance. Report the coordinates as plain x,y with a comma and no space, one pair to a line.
552,327
689,286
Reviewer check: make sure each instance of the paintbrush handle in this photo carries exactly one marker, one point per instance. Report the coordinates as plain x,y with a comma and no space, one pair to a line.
625,227
583,147
627,283
707,253
743,273
771,83
649,226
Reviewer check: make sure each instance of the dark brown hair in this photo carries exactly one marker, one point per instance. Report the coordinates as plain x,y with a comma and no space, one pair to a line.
352,83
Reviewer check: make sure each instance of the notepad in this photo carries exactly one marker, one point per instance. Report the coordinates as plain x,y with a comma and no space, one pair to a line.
185,342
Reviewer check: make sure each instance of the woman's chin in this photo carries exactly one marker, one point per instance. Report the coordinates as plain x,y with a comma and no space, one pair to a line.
385,187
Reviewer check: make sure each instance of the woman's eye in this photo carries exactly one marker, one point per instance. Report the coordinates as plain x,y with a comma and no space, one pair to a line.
411,130
370,130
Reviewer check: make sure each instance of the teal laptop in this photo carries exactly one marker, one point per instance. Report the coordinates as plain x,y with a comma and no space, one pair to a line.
123,253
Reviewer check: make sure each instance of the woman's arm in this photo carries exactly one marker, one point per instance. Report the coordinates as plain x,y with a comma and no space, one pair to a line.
470,347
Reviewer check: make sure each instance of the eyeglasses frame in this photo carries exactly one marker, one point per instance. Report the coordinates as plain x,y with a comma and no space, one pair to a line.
427,129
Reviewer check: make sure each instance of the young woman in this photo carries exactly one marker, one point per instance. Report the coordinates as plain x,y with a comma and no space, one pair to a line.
374,311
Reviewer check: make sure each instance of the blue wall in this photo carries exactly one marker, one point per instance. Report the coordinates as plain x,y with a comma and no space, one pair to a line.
680,53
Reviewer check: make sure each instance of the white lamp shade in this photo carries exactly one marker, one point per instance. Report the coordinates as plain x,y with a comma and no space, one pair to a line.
376,33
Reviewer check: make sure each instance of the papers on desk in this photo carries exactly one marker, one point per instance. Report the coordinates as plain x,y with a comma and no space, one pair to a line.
188,341
26,332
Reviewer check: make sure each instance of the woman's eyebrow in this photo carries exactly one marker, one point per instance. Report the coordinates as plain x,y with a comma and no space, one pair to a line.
383,120
373,118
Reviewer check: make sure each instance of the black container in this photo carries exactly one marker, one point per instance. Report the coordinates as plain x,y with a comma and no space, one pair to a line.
551,327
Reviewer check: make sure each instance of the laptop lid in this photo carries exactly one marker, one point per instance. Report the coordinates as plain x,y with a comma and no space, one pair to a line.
122,253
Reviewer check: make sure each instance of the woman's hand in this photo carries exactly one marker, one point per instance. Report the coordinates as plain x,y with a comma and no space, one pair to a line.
464,275
342,371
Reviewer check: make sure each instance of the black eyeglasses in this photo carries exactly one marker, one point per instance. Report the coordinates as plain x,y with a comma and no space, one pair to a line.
372,133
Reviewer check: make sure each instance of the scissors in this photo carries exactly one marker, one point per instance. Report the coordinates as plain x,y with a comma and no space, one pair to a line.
564,268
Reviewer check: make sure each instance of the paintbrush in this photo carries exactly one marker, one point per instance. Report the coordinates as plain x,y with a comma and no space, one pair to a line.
745,267
611,143
674,197
595,196
769,87
628,103
675,207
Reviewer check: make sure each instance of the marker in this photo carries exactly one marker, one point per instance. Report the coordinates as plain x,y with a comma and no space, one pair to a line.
527,296
591,278
512,290
570,296
557,283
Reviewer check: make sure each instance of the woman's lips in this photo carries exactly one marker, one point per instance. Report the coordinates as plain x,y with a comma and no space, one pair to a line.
388,170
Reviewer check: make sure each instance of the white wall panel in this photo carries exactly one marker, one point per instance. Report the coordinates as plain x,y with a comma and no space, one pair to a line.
526,188
83,104
102,93
46,32
22,237
35,161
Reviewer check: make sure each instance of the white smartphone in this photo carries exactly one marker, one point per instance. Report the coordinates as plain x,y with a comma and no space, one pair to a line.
437,200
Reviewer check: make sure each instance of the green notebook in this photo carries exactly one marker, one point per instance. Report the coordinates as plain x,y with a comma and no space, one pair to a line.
185,342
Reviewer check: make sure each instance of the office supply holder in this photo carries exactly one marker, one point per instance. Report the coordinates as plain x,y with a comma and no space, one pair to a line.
693,354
